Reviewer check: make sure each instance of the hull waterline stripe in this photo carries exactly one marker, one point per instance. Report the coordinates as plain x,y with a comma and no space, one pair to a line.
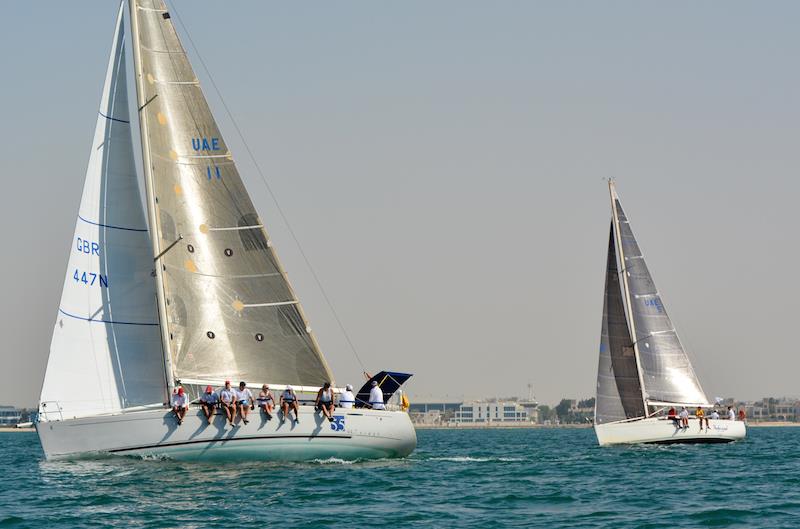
114,119
223,441
708,440
106,321
110,226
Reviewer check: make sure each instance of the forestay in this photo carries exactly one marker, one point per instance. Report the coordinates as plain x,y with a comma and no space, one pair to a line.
619,395
667,373
230,311
105,353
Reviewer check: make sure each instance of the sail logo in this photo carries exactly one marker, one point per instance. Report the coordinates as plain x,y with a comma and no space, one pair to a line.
338,423
84,246
654,302
203,144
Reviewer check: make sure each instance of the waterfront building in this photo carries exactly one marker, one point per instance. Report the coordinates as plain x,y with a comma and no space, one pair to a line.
10,416
491,412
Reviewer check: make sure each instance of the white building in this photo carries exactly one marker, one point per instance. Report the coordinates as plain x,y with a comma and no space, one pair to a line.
9,416
485,412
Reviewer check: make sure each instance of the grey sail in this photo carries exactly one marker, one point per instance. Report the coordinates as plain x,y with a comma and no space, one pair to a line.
667,373
227,309
619,394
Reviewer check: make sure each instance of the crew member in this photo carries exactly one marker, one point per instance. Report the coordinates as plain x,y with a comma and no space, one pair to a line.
180,403
266,401
227,400
324,401
208,401
376,397
289,402
244,401
346,398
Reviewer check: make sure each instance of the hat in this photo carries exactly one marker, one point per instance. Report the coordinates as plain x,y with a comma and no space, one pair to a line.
288,387
209,389
374,382
349,387
180,391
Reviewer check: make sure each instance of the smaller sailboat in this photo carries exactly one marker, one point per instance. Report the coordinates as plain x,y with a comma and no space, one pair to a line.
644,370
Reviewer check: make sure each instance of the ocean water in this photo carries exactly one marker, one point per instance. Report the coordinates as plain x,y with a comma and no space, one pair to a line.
474,478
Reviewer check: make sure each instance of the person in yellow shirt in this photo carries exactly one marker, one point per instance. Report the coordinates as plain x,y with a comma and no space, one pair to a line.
701,415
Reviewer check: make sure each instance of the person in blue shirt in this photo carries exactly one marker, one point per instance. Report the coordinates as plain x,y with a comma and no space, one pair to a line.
208,401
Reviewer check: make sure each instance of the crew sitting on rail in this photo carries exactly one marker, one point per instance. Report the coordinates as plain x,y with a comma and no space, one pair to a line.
324,401
266,402
701,416
684,415
346,398
227,400
715,414
180,403
376,397
672,416
244,401
208,401
731,414
289,402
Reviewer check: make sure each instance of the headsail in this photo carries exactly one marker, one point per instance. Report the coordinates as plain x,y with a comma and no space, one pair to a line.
619,394
667,373
228,309
106,352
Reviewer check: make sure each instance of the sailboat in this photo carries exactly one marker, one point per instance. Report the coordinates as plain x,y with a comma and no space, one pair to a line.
644,369
187,292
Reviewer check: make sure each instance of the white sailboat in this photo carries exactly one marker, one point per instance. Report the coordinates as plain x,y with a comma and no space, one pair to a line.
643,368
193,296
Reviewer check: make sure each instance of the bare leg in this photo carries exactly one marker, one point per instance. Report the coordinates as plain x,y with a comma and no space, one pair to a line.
296,412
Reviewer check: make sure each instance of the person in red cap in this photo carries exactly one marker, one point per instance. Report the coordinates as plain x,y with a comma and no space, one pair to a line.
227,399
208,401
180,403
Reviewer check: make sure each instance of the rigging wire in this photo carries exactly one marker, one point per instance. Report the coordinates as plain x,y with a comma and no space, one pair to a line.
272,194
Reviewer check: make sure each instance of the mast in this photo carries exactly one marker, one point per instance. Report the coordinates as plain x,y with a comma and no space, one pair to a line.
151,203
628,306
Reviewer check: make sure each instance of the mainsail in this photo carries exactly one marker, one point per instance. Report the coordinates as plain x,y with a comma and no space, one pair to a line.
227,309
619,393
105,353
666,372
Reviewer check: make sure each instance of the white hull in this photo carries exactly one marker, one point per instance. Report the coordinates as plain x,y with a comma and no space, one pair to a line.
365,434
666,431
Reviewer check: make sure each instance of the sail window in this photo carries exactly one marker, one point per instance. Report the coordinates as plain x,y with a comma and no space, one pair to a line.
168,230
228,252
165,15
252,238
259,337
190,248
211,335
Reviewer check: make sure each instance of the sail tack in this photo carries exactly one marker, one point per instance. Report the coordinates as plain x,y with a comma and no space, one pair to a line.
619,394
230,311
106,351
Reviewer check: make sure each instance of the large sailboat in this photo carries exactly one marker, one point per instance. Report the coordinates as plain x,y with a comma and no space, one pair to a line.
643,369
188,292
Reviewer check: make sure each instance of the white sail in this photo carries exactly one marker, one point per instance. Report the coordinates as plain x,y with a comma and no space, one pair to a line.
106,352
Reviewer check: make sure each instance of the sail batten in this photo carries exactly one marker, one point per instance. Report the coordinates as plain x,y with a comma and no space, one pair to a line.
229,310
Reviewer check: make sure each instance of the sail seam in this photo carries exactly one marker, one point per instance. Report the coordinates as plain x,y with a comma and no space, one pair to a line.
111,226
65,313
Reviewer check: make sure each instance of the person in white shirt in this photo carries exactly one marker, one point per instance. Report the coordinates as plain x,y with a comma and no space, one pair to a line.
244,401
684,417
208,401
289,402
376,397
346,398
324,401
227,399
714,414
180,403
266,401
731,414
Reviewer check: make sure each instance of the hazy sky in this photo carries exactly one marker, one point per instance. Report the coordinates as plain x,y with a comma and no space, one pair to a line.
442,164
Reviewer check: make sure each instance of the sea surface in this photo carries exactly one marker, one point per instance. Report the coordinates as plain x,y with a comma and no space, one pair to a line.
549,478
